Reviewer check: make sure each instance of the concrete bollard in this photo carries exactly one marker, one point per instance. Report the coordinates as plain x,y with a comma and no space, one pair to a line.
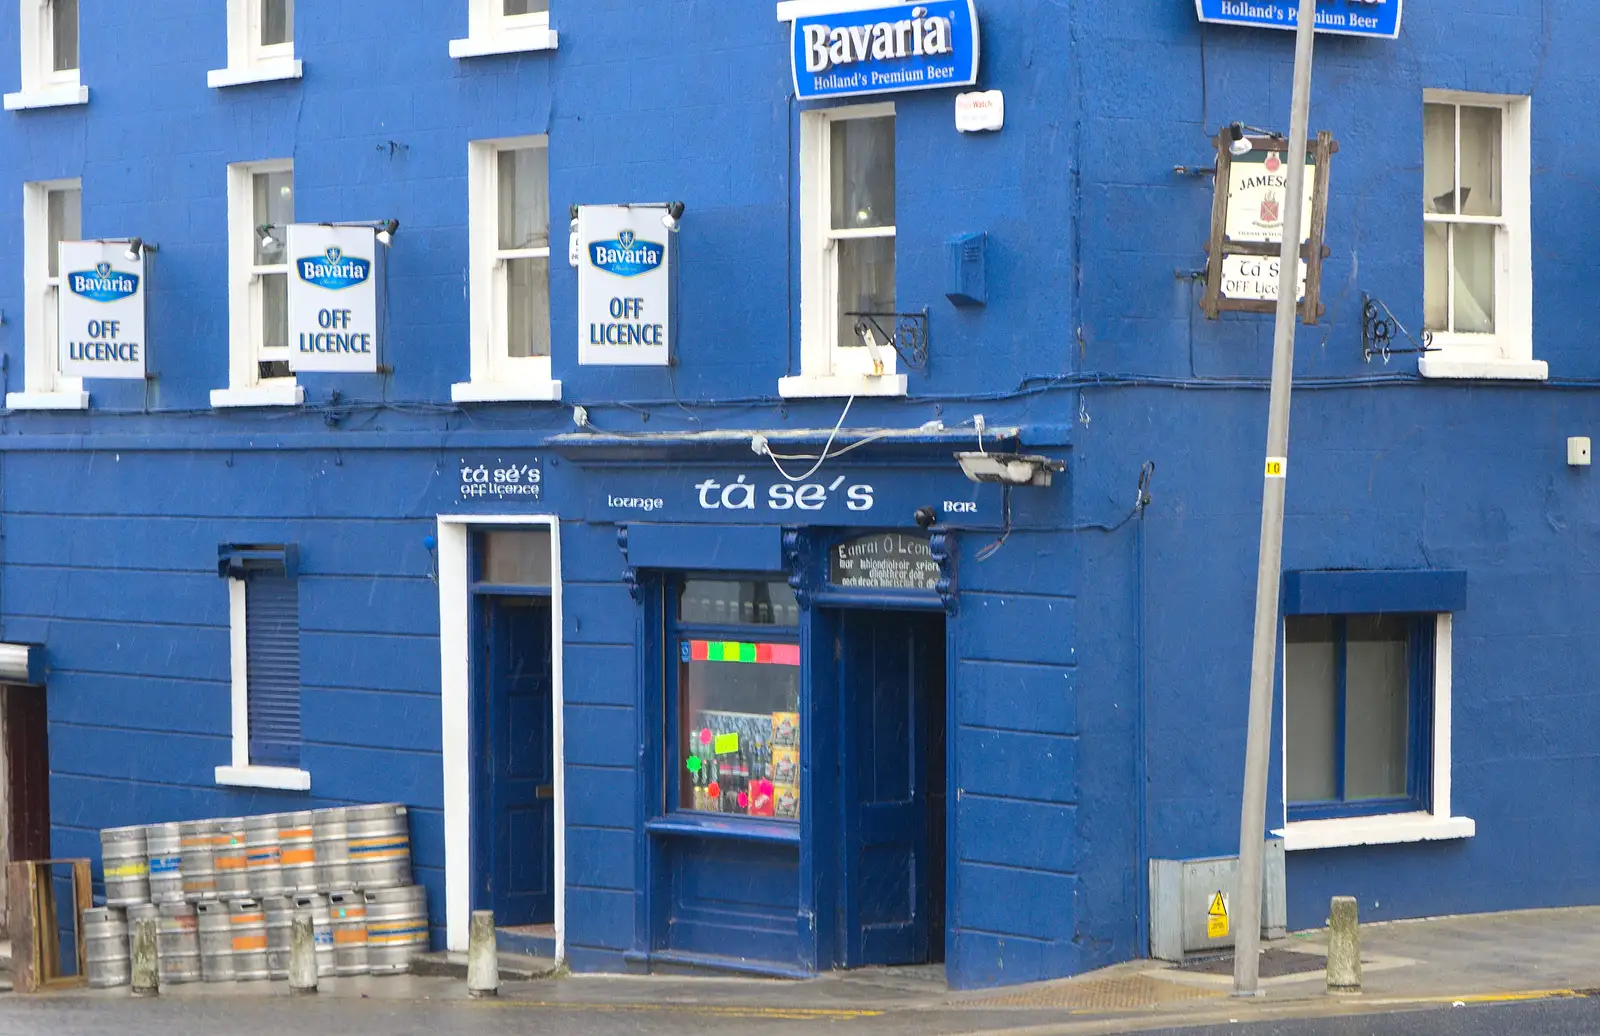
483,962
302,955
146,975
1344,946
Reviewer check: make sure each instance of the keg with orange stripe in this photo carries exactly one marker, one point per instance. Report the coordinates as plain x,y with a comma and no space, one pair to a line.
380,846
229,855
197,841
262,858
348,912
248,924
297,852
397,928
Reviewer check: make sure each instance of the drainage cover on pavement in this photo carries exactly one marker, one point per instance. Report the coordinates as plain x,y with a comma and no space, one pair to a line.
1274,964
1103,994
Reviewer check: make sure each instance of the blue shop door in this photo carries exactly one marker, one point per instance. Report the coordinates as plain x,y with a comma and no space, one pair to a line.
518,827
893,692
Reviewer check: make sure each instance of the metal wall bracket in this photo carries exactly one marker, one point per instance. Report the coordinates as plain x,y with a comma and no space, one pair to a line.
1378,327
909,339
630,575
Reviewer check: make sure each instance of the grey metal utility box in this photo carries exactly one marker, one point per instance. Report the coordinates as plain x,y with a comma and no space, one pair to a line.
1183,905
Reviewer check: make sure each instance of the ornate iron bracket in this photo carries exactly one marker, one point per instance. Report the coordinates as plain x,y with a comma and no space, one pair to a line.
942,545
1378,327
909,339
630,575
797,554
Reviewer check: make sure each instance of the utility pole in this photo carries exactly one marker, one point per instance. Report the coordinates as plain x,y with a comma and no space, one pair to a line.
1263,656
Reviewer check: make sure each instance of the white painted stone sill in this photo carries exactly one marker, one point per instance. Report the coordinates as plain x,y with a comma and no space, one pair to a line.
803,386
1486,370
516,42
47,400
505,392
47,97
279,778
268,71
1391,829
259,395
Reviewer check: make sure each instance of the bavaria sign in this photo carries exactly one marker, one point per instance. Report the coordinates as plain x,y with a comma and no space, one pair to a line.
625,264
100,311
1344,17
333,298
888,49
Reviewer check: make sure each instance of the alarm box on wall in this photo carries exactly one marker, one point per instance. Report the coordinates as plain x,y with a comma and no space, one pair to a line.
966,277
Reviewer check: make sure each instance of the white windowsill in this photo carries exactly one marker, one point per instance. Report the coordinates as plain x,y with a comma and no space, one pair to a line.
282,778
47,400
1382,830
259,395
517,42
806,386
505,392
47,97
1496,370
258,72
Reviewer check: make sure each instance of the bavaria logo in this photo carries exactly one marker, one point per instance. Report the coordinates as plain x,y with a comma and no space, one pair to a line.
626,256
333,270
103,284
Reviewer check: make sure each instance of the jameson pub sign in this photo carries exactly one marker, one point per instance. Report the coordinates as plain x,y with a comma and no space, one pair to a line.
887,49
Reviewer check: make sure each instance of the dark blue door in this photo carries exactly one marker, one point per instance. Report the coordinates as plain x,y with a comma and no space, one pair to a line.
518,763
891,681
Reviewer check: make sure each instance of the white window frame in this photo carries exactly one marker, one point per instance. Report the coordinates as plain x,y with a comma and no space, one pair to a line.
248,60
1434,824
1507,353
44,388
42,85
246,387
241,773
491,32
826,369
495,374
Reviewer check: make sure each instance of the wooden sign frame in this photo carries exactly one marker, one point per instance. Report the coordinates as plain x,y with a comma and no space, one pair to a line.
1213,302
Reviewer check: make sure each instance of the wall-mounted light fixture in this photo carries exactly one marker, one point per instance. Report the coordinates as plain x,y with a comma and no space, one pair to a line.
268,242
674,214
137,247
386,229
1012,469
1240,144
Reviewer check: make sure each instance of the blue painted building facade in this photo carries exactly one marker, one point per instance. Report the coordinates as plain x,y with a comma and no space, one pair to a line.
1082,707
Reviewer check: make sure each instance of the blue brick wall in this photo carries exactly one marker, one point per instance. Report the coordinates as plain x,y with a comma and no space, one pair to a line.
1100,675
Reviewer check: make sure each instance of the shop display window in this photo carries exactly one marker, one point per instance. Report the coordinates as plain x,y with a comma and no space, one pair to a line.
736,652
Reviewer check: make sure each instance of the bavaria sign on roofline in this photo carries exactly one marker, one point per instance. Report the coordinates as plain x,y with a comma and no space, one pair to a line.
1380,18
848,49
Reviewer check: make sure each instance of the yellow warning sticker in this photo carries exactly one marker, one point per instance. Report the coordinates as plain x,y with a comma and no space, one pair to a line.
1277,467
1217,917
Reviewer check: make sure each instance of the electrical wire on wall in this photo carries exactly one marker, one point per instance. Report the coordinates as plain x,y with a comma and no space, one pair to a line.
1147,472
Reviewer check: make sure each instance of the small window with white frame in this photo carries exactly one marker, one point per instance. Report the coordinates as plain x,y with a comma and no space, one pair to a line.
50,73
52,212
260,44
1366,729
847,237
1477,251
505,27
509,239
264,666
260,209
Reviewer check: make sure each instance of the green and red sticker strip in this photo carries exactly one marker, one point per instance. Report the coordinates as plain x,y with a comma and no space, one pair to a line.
741,651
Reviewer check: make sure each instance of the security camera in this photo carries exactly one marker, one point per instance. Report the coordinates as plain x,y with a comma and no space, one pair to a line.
926,516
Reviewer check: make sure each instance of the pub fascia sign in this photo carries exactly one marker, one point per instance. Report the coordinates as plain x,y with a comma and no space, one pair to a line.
845,49
1380,18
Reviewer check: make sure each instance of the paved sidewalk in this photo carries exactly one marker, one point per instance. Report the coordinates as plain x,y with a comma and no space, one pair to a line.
1407,966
